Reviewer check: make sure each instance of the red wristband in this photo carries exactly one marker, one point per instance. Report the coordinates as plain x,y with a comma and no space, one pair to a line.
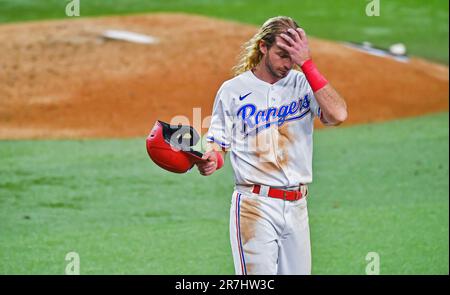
219,160
315,79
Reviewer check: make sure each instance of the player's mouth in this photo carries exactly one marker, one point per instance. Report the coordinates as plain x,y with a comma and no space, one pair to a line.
283,73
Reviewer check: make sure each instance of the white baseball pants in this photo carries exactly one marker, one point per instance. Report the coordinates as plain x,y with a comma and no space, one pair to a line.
269,236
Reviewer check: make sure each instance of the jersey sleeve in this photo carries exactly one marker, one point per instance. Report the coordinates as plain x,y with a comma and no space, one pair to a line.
221,121
315,108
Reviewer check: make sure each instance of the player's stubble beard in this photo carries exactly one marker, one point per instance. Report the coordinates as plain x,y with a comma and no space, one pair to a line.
270,68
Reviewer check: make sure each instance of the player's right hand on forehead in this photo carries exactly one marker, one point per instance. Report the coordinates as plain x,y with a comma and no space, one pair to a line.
209,166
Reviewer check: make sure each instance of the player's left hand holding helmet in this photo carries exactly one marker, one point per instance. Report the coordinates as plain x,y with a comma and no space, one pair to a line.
213,162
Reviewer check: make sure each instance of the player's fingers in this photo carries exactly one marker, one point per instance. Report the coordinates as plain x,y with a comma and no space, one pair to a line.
212,156
206,165
206,155
295,35
288,39
284,46
201,170
209,170
202,163
302,34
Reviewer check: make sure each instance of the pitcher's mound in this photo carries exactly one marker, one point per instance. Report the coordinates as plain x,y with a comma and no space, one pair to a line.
62,79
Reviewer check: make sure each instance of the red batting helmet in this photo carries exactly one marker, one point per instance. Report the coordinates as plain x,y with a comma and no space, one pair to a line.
170,147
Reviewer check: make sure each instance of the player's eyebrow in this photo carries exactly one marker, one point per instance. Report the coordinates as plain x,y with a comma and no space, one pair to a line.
282,52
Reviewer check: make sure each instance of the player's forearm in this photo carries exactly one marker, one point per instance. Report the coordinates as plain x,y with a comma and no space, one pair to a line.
332,105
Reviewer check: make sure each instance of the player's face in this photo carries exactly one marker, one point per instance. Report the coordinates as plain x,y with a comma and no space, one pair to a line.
278,61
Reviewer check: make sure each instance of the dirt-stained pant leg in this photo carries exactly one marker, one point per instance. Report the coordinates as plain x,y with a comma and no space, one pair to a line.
269,236
295,246
254,234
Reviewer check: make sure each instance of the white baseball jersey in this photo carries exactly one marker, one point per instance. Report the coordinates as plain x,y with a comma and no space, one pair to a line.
268,128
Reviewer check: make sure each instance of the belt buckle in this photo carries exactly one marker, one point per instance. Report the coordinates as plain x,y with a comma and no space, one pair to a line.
284,195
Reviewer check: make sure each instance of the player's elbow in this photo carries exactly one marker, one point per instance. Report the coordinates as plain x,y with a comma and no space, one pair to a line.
338,117
342,116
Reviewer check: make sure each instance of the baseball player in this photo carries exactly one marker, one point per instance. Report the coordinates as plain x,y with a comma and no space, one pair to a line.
264,118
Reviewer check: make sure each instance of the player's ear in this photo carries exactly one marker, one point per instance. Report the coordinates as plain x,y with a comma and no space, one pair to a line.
263,47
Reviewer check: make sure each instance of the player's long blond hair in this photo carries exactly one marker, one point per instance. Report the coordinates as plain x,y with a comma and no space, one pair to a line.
251,55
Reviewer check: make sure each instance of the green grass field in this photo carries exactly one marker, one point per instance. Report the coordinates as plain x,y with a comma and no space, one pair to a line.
381,188
421,25
377,188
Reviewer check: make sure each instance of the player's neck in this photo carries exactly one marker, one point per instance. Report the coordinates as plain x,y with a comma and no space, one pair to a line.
261,72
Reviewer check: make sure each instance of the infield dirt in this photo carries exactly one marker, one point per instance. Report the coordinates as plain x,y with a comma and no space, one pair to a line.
61,79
